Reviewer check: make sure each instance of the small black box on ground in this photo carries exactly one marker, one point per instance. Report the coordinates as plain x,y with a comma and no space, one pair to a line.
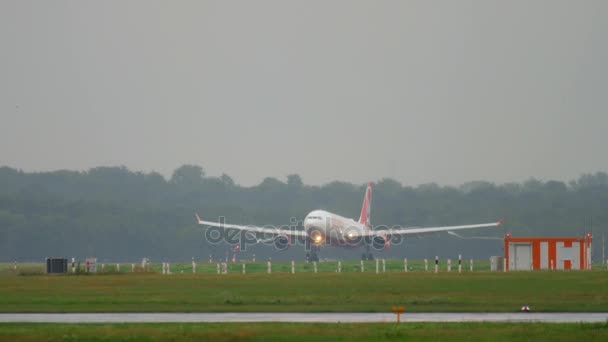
56,265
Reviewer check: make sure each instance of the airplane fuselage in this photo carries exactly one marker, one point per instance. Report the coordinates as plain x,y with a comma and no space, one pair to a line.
325,228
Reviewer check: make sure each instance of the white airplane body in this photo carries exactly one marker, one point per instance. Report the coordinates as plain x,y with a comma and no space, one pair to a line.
322,228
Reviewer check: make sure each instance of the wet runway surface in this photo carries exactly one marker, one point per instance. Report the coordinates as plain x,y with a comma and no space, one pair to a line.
298,317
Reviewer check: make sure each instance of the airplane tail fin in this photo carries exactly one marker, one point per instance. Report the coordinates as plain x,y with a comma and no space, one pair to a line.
366,210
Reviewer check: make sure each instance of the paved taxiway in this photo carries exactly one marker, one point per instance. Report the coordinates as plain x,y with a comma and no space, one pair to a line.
298,317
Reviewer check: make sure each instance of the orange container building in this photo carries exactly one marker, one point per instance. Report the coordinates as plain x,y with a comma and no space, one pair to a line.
526,254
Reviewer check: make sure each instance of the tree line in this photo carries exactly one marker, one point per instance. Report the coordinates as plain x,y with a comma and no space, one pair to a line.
120,215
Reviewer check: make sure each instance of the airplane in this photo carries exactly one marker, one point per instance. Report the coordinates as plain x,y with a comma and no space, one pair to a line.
322,228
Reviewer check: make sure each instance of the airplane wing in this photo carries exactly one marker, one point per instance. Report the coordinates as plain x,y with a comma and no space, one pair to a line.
253,229
417,231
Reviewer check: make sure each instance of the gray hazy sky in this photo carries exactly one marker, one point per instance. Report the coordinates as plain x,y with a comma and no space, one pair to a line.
419,91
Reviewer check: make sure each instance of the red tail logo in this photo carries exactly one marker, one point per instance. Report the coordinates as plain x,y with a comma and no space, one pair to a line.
366,210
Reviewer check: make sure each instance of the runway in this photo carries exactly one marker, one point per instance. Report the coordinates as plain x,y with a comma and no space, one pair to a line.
298,317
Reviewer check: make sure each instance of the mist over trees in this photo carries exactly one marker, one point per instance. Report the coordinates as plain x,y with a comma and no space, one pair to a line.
119,215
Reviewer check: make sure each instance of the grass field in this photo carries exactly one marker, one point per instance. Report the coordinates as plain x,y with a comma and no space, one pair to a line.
304,291
306,332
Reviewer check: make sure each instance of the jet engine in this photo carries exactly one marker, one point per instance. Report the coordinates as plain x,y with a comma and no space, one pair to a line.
380,242
281,242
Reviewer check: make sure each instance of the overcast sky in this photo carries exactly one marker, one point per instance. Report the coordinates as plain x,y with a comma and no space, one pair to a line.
419,91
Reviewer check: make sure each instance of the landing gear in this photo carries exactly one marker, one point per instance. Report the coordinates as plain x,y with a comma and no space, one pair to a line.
312,255
367,255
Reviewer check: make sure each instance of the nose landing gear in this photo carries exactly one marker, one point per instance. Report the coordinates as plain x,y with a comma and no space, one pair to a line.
312,256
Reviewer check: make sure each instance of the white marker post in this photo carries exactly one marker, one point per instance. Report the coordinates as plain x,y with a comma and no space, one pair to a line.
103,267
132,267
225,268
339,266
471,265
436,264
193,266
117,267
377,261
269,267
253,259
244,269
504,265
459,263
426,265
362,266
314,266
210,259
15,265
404,264
383,266
449,265
218,268
293,267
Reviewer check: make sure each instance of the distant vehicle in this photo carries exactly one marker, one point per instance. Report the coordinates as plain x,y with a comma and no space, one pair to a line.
322,228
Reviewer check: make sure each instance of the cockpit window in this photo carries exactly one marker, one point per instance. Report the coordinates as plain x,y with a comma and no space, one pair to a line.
314,217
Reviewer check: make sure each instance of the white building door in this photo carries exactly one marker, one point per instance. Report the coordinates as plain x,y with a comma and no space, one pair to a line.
522,256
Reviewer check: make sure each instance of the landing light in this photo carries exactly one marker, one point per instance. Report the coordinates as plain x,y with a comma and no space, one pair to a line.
350,235
318,237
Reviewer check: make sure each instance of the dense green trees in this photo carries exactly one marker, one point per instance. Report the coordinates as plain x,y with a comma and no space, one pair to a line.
120,215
